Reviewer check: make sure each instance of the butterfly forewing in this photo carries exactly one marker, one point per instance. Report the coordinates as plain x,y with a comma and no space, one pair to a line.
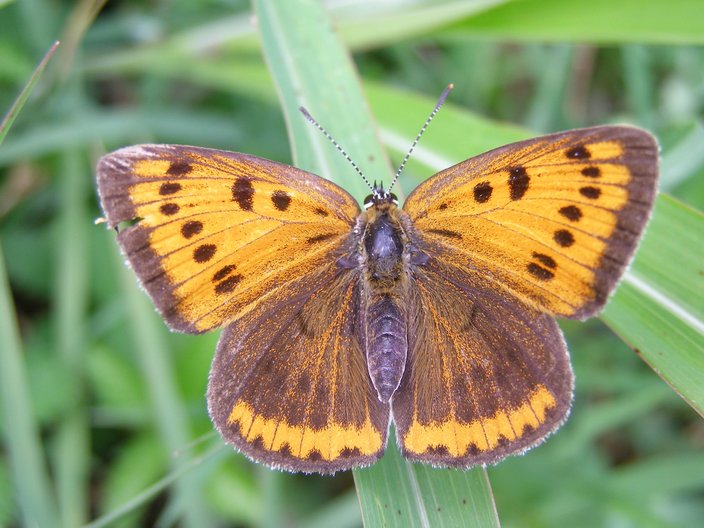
218,232
552,220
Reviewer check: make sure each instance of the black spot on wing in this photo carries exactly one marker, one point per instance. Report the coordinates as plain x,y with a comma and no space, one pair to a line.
281,200
579,152
482,192
179,168
563,237
243,193
518,182
169,188
191,228
169,209
571,212
590,192
204,253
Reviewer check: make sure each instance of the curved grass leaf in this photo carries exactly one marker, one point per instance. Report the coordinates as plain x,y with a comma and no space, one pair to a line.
658,308
30,477
597,21
311,67
24,94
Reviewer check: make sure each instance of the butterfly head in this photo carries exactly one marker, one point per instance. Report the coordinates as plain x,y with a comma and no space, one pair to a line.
379,196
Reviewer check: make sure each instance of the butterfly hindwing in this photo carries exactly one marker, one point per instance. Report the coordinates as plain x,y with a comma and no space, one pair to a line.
217,232
487,376
554,220
289,384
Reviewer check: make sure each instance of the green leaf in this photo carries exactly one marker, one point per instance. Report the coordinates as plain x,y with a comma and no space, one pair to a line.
596,21
24,94
317,72
30,477
394,492
658,308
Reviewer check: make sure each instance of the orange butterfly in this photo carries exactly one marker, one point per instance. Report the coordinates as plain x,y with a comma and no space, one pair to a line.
438,314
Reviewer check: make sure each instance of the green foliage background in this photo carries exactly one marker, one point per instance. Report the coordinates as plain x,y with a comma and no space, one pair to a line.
103,416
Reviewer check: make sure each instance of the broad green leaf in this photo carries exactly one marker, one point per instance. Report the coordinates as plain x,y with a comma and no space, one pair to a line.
318,73
659,308
596,21
394,492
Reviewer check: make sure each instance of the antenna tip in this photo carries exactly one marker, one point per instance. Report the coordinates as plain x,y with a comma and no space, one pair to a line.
450,86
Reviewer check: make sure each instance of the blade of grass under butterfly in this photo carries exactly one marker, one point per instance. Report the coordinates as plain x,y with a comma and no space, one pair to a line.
24,94
310,67
394,492
22,442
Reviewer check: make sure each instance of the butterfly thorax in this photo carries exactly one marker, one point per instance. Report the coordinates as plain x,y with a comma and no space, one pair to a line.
384,247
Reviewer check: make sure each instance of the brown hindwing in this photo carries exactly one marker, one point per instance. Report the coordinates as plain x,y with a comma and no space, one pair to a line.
487,376
289,385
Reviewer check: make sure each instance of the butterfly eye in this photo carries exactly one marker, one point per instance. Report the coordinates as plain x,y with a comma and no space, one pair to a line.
369,201
393,198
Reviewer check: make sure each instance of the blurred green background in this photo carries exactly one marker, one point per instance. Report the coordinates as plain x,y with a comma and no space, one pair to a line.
114,404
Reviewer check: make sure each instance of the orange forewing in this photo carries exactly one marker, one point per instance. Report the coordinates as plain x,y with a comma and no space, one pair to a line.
219,232
553,220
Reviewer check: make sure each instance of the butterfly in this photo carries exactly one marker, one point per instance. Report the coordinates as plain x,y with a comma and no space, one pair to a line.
438,315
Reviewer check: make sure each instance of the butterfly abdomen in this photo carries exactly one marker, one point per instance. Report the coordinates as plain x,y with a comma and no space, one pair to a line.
384,246
387,344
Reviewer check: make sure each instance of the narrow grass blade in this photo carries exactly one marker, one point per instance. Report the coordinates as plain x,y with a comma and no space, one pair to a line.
311,67
143,498
22,441
169,415
394,492
598,21
24,94
72,454
658,309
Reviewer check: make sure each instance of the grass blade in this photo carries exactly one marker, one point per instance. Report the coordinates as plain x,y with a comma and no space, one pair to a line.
658,308
168,410
311,67
31,479
72,453
598,21
24,94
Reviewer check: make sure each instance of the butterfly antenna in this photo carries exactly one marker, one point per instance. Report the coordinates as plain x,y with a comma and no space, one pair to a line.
312,120
440,102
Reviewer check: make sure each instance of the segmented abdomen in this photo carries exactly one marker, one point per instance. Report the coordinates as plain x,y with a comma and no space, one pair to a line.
386,344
